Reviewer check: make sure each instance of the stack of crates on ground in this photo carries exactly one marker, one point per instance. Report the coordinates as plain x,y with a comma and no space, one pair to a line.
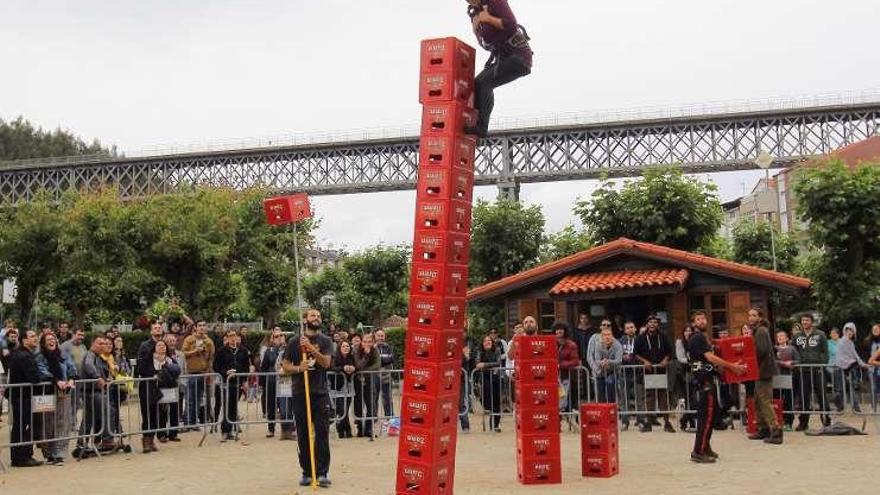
599,442
538,456
441,248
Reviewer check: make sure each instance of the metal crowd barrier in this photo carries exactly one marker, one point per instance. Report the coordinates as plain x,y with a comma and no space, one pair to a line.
493,389
576,387
43,416
373,390
140,406
644,394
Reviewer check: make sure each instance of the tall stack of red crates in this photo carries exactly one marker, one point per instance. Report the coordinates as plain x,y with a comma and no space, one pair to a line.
599,448
441,248
538,456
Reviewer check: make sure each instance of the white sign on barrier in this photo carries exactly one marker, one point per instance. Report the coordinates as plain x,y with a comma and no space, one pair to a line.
169,395
782,382
284,387
656,382
42,404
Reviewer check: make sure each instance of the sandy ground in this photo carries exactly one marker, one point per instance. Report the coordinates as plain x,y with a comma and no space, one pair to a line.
654,462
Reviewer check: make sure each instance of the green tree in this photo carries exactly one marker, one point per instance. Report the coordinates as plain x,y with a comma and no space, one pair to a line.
375,284
20,139
842,207
505,239
29,236
717,247
665,207
752,246
564,243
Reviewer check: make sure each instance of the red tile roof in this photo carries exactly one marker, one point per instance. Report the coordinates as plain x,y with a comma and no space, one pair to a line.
627,279
642,250
863,151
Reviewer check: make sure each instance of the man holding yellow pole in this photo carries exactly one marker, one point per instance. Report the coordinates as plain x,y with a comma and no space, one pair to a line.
307,359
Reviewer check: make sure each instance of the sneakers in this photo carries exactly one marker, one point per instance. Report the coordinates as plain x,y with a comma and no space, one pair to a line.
324,481
760,434
702,458
711,453
305,481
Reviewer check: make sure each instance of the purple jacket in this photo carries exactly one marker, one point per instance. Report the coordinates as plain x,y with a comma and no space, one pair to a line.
494,39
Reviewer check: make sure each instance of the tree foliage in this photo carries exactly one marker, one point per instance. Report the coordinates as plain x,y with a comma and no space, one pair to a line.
20,139
564,243
842,207
753,245
664,207
505,240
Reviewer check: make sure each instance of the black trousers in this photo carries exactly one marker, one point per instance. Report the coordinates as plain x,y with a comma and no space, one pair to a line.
343,424
504,69
490,395
707,412
22,429
321,411
812,381
149,397
365,400
169,417
268,402
231,412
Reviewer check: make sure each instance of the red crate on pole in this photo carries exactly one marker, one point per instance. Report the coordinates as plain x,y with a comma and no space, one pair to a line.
282,210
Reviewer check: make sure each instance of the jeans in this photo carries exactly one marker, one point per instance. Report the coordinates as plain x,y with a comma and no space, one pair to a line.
606,388
504,69
196,400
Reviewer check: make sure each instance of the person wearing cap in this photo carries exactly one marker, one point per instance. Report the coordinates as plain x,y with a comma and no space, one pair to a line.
498,32
653,351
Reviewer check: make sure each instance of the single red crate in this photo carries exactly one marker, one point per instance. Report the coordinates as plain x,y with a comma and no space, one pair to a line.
532,421
419,478
447,151
448,54
436,313
434,346
438,279
433,379
599,415
534,348
430,412
598,440
443,86
443,215
424,445
739,350
544,371
595,465
283,210
538,446
441,247
539,471
445,183
447,118
538,396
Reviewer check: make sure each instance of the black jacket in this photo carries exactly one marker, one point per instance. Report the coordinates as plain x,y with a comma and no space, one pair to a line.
229,359
22,369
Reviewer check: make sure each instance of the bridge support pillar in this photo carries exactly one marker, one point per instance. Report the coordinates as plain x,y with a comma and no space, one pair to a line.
508,189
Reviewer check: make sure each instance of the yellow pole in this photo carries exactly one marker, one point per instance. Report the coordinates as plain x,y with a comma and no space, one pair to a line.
311,428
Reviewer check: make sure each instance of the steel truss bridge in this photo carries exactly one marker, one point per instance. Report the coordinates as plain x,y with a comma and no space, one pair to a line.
712,142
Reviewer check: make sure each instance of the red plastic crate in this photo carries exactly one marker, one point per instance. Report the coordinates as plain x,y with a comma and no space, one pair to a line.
535,348
448,54
438,279
432,379
443,215
538,446
430,412
544,371
418,478
443,86
599,415
441,247
598,440
436,313
283,210
538,396
425,445
447,118
738,349
600,465
433,346
752,414
538,471
447,151
445,183
532,421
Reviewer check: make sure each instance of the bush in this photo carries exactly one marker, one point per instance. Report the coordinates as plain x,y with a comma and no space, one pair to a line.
396,337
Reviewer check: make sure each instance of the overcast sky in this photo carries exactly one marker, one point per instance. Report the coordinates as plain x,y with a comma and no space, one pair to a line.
140,74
